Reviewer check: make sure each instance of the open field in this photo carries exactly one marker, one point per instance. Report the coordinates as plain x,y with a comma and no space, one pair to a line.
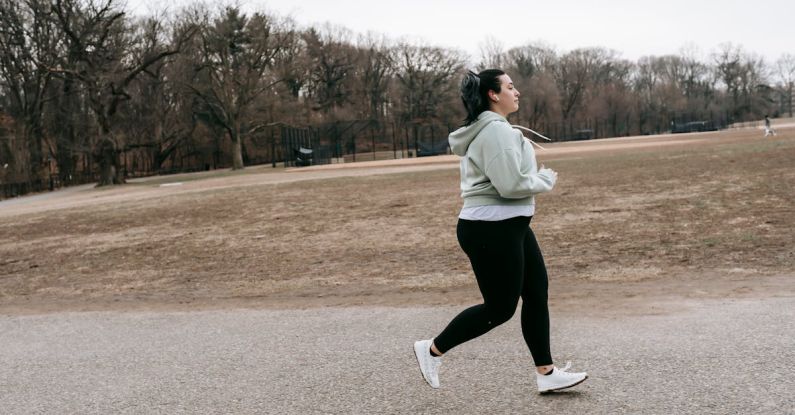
631,220
671,263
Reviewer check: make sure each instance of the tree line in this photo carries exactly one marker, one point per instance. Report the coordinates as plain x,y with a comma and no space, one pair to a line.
84,82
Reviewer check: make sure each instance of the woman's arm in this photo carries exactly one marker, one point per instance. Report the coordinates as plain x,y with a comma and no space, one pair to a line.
505,174
502,151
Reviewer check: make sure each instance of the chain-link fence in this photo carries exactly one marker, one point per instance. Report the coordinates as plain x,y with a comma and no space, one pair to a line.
283,145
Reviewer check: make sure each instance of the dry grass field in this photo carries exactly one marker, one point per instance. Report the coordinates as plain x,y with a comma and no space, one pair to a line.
631,220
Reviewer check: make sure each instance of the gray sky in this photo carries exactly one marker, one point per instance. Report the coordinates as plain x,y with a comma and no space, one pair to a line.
632,27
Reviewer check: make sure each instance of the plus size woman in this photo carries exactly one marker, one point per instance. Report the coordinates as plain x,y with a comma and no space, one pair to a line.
499,179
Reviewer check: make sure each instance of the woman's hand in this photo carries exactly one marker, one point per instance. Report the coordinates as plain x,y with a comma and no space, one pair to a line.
549,174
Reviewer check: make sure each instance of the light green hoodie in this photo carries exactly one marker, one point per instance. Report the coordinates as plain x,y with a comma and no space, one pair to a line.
498,165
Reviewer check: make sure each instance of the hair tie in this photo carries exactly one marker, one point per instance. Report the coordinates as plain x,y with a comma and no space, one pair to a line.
471,81
470,90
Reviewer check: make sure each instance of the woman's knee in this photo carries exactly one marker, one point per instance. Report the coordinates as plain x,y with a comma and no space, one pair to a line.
502,313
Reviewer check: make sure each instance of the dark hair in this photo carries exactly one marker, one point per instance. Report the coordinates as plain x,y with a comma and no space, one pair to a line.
475,91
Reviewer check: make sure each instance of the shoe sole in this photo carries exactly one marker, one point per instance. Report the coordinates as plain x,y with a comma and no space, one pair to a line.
419,366
564,387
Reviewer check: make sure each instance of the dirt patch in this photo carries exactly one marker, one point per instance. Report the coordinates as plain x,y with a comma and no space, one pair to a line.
707,215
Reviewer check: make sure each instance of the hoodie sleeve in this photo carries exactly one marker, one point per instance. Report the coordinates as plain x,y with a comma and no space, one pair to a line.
504,167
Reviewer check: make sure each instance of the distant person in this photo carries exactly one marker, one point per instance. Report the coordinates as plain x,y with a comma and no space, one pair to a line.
768,129
499,178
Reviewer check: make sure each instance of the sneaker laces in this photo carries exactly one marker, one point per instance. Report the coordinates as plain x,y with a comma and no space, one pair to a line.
567,367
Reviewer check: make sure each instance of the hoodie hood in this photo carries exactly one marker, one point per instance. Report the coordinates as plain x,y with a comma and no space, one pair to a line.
461,138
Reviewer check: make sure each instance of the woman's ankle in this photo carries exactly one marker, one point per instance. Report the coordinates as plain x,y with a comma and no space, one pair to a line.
434,351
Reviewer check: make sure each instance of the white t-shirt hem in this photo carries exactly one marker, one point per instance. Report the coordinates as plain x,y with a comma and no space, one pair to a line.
495,213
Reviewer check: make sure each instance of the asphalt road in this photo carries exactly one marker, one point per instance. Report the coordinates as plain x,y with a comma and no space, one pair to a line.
716,357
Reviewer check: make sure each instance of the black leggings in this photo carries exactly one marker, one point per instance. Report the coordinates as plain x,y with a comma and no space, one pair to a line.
508,264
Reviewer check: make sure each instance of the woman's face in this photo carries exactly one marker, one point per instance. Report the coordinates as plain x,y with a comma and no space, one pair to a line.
507,100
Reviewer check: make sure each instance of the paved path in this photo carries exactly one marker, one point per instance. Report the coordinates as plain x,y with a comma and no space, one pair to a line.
713,358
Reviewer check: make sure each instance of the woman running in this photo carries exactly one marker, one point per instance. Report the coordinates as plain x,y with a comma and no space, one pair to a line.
499,179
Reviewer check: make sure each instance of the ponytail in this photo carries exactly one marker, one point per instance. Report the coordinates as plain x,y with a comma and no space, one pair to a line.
475,91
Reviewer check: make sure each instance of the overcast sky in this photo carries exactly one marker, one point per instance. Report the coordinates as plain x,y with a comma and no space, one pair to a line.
632,27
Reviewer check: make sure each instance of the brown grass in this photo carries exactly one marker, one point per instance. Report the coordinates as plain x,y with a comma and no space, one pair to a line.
654,212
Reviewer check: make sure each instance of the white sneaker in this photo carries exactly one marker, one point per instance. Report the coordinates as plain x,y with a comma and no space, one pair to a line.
559,379
429,365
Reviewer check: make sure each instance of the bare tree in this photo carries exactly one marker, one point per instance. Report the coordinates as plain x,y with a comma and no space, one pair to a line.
575,72
238,55
742,75
612,100
291,63
84,82
27,41
492,53
657,91
531,59
99,36
161,118
785,68
425,86
540,99
375,67
531,67
424,73
332,59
